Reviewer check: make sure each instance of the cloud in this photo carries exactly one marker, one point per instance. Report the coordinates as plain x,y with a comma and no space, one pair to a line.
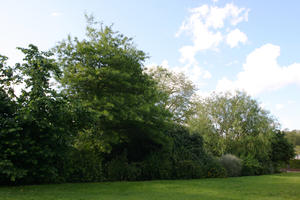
56,14
235,37
206,23
279,106
261,73
205,26
195,73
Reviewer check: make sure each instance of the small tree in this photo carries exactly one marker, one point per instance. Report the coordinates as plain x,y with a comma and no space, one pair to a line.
38,125
236,124
282,149
179,91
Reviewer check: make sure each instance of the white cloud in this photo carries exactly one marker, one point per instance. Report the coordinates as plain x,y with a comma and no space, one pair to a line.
205,26
279,106
235,37
291,101
261,72
195,73
56,14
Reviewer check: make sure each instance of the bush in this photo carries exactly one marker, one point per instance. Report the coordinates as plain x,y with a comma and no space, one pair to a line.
157,166
188,169
232,164
251,166
214,169
83,166
295,164
118,169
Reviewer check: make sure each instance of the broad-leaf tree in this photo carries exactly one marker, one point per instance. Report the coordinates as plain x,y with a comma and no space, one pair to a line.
105,73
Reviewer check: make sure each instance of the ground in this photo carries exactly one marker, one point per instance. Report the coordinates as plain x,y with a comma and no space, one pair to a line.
280,186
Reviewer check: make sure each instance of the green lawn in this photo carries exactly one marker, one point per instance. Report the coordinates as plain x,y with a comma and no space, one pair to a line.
280,186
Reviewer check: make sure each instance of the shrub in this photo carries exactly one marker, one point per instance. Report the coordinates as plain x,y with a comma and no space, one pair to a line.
157,166
232,164
117,168
188,169
251,166
83,166
295,164
214,169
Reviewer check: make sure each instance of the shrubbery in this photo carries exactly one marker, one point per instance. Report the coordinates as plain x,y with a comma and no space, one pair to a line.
232,164
294,164
83,166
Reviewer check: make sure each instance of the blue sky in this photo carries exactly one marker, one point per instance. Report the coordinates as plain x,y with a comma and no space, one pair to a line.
220,45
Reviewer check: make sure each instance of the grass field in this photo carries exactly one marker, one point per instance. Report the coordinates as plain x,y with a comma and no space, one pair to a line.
275,187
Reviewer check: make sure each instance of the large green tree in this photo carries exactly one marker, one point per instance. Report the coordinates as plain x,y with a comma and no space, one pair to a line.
105,73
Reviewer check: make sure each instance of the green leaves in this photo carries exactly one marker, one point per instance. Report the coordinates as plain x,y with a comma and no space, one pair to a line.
176,92
234,124
104,72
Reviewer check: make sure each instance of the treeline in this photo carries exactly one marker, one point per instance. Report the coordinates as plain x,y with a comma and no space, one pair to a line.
108,118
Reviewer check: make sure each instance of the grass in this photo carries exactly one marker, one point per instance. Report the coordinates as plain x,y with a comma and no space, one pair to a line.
275,187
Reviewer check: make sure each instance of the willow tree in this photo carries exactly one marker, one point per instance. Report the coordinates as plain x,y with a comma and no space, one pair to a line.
235,123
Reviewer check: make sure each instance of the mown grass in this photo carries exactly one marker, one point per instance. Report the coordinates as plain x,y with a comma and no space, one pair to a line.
280,186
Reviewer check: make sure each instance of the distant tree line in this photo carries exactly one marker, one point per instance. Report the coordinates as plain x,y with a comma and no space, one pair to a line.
109,118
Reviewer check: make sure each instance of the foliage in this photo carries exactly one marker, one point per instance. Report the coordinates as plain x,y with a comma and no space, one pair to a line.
105,73
294,164
109,119
282,150
251,166
157,165
293,136
232,164
236,124
10,138
188,152
179,91
83,166
188,169
43,121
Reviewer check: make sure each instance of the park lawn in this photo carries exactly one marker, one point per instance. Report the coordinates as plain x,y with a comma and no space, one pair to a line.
280,186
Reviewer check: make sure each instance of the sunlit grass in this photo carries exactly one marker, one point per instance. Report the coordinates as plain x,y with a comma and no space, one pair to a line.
275,187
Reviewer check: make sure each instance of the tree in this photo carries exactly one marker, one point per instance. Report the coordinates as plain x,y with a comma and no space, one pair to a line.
234,124
105,73
282,149
10,141
35,143
179,91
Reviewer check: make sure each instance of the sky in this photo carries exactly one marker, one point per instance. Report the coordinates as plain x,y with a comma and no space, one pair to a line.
220,45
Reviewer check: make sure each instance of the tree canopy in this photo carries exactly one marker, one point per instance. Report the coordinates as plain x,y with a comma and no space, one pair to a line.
105,73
